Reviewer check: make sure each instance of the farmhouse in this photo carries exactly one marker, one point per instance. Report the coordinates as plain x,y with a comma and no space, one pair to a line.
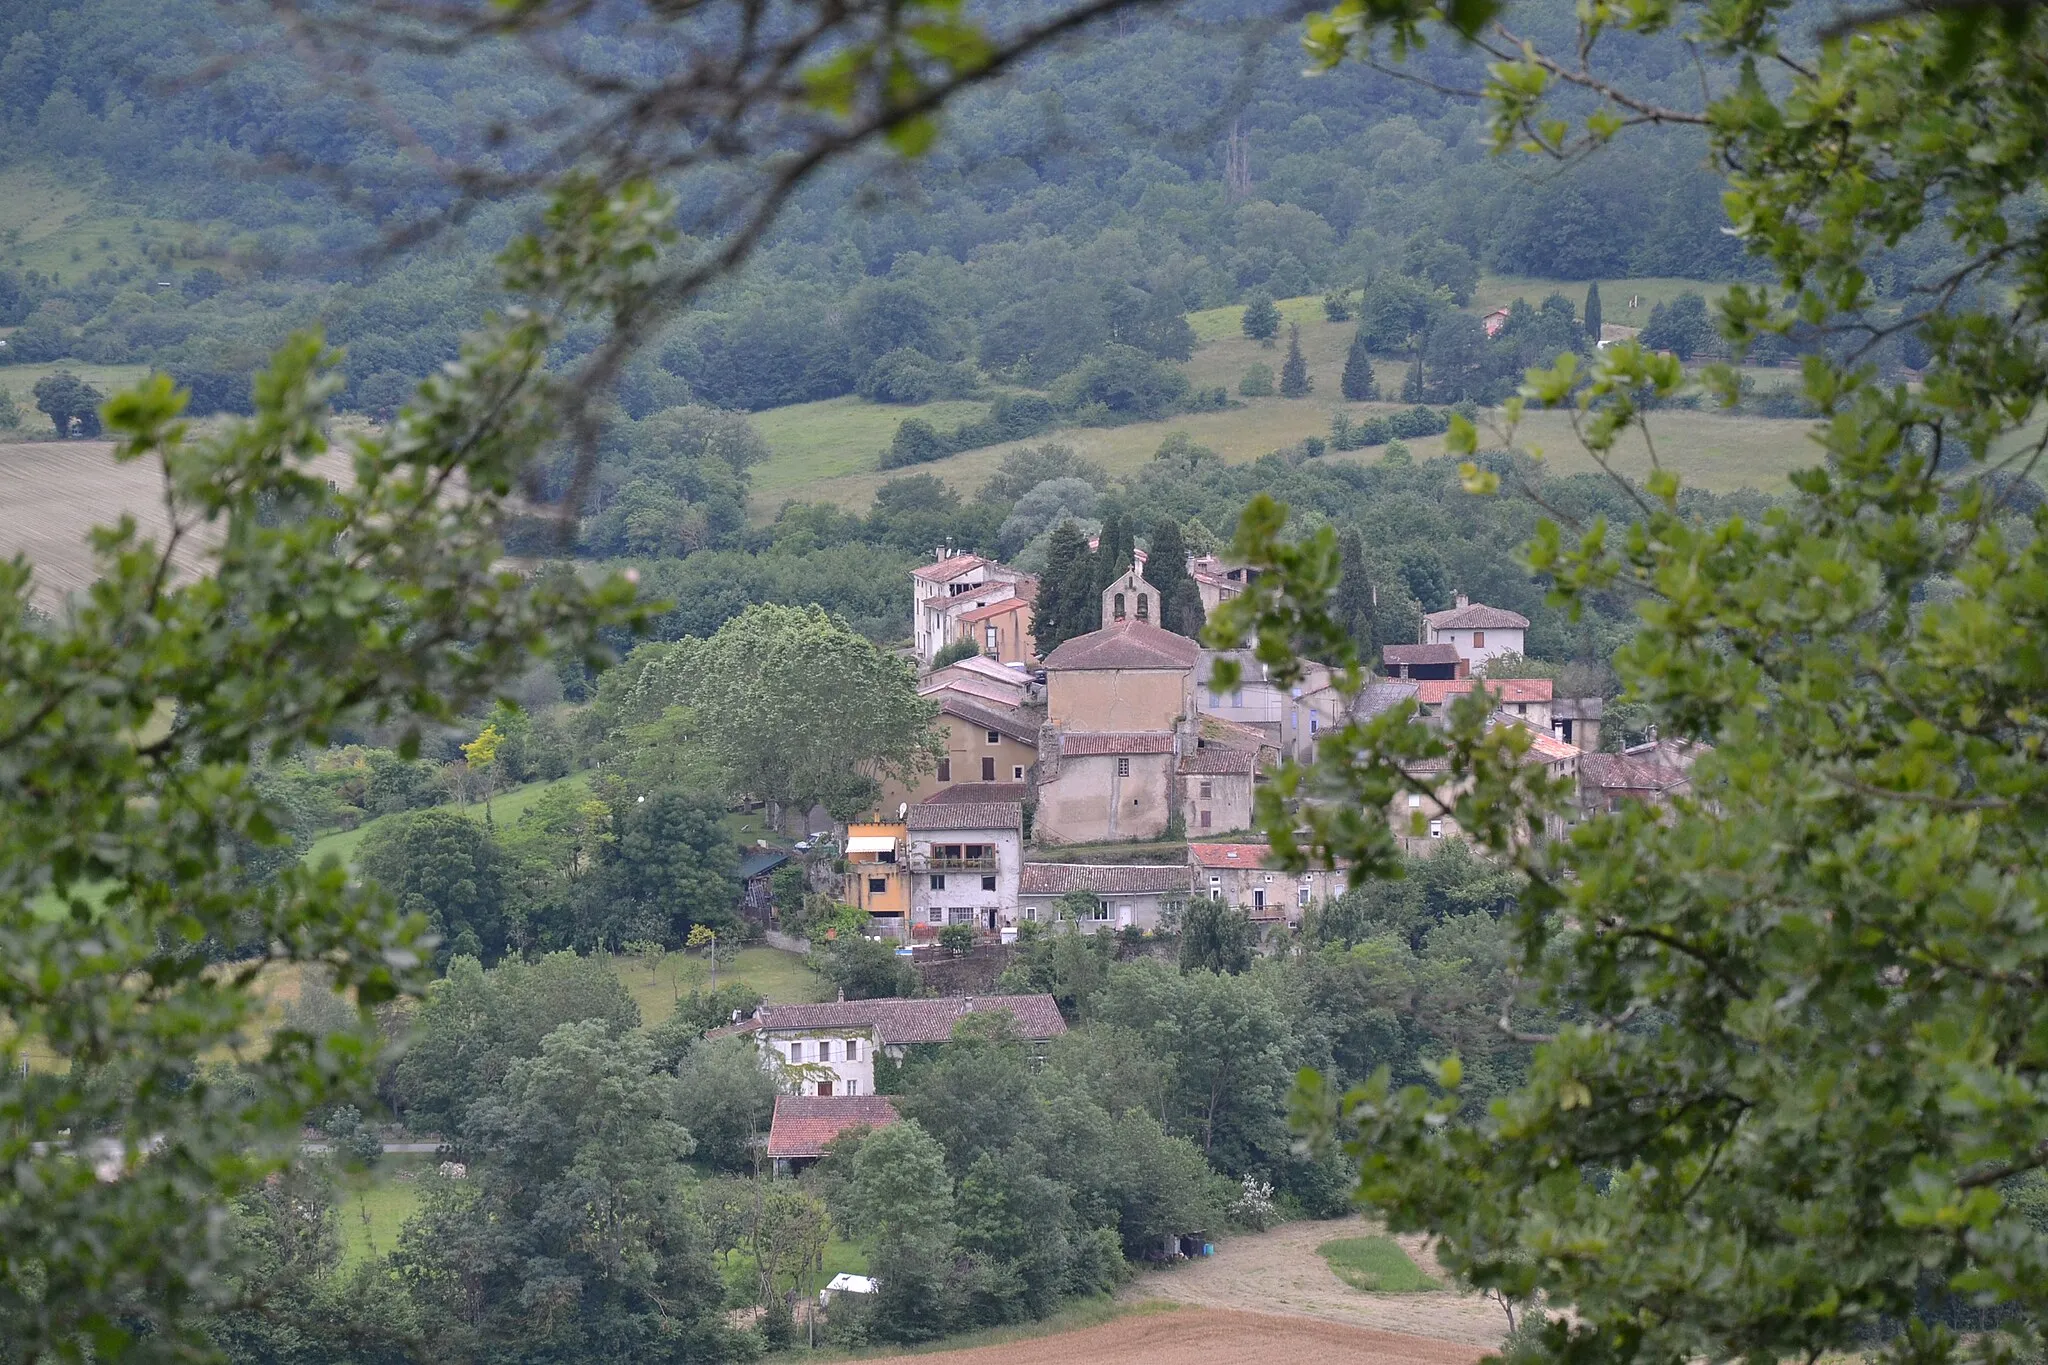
1477,632
830,1049
1239,875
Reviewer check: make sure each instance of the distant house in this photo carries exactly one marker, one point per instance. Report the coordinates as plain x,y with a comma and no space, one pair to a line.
1576,720
944,591
1127,895
965,859
1218,772
1523,698
834,1044
1216,581
1419,821
1437,663
1653,772
1494,321
988,741
1478,632
804,1125
1241,875
1611,332
758,897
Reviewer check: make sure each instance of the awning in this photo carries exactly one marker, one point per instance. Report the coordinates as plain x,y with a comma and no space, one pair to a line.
870,843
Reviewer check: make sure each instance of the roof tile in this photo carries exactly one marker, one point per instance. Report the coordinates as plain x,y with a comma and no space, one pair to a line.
899,1022
1090,744
1229,855
1057,879
1477,616
804,1124
966,815
1127,644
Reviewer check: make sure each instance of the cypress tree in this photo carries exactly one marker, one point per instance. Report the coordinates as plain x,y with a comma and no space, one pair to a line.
1352,602
1112,553
1180,601
1592,312
1358,383
1294,376
1068,582
1411,387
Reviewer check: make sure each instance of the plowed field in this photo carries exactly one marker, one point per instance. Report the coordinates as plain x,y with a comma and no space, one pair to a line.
1212,1336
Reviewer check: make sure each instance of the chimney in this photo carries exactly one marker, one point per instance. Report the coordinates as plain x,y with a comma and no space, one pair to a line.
842,995
1463,601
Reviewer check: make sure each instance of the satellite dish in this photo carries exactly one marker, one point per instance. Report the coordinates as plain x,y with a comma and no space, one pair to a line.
903,811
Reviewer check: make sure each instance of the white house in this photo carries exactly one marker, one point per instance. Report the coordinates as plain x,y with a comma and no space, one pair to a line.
1478,632
943,591
965,858
830,1048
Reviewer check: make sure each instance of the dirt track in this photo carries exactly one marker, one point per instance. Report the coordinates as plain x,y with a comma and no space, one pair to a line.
1279,1272
1210,1336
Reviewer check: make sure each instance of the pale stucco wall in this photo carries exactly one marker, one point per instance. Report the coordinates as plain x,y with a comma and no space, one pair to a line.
1119,699
1089,803
860,1071
1229,803
966,746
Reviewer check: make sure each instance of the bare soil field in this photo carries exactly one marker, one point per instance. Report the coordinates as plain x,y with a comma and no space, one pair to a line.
53,492
1210,1336
1279,1272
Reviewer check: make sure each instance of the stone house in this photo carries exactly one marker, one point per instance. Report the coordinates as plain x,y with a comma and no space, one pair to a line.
1478,632
1217,581
1419,822
1127,895
1434,662
1238,874
965,861
1216,787
1526,699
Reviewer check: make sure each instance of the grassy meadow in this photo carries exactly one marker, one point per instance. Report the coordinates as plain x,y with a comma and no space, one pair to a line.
784,978
1377,1265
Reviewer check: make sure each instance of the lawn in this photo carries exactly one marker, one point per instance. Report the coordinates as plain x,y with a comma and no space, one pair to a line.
1376,1265
373,1205
20,380
784,978
505,808
841,1258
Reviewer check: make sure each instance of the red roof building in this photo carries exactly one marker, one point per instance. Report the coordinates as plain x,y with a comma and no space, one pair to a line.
804,1124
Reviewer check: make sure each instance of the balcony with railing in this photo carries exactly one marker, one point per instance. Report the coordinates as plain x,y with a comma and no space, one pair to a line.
956,862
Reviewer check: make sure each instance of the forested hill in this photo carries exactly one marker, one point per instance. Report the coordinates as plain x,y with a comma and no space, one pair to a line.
1083,202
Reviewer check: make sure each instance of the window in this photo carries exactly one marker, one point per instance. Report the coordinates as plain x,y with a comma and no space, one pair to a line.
825,1050
992,636
1237,699
1478,639
1017,772
1205,819
938,916
945,770
1117,606
1208,789
1258,898
938,881
852,1052
1102,910
959,915
1436,829
878,886
1215,888
1123,767
1414,803
1031,913
1314,722
988,883
853,1087
988,770
1301,896
796,1052
995,737
1521,708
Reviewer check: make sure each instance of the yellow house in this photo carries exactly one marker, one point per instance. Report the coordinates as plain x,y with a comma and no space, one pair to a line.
878,875
990,748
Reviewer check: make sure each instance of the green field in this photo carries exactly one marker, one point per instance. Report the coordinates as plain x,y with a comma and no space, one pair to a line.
373,1205
1376,1265
840,1258
835,437
825,451
20,380
784,978
505,808
55,224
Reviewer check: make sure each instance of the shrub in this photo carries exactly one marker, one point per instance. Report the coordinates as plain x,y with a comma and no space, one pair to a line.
1257,382
916,442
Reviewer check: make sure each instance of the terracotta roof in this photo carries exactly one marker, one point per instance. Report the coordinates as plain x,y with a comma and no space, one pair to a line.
1001,607
1228,855
993,669
1231,734
915,1021
947,569
970,793
968,685
1619,772
1550,749
1130,643
803,1124
966,815
1089,744
1219,760
1420,654
1105,879
992,715
1477,616
1436,691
